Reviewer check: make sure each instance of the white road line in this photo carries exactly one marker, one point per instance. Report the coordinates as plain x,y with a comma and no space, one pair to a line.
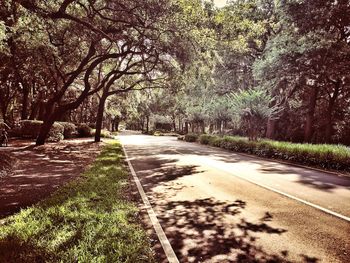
168,250
217,166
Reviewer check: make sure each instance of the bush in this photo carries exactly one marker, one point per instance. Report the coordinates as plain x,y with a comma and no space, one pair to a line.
70,130
30,129
336,157
84,130
56,133
104,133
191,137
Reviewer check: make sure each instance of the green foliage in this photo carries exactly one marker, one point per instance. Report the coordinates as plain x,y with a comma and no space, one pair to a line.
326,156
104,134
254,108
84,130
254,104
191,137
88,220
29,129
56,133
70,129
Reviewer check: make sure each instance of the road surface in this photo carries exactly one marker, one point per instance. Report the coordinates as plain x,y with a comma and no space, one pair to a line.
218,206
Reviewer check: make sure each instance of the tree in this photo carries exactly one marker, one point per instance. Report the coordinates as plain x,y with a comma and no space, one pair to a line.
253,108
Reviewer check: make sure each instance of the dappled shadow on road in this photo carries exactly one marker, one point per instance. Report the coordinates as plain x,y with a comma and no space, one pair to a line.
206,230
306,177
158,170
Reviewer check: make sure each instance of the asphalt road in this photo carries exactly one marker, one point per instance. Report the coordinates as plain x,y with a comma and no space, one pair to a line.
218,206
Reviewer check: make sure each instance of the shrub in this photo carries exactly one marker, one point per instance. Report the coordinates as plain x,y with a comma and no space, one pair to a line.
205,138
70,130
104,133
84,130
335,157
191,137
56,133
30,129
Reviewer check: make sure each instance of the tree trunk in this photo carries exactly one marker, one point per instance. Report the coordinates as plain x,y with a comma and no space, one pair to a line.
186,127
99,118
41,111
310,118
329,114
116,125
147,124
271,128
25,100
34,111
44,131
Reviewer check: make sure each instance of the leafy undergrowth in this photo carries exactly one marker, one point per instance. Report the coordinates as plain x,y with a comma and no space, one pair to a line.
326,156
88,220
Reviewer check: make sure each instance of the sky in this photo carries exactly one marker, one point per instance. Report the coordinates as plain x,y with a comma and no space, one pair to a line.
220,3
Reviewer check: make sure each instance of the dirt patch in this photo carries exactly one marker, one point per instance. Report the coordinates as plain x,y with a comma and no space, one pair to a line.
41,170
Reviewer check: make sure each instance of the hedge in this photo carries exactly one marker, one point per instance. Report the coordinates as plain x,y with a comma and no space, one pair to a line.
191,137
326,156
84,130
30,129
70,130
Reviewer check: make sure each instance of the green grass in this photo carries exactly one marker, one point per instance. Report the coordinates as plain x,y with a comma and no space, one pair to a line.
326,156
88,220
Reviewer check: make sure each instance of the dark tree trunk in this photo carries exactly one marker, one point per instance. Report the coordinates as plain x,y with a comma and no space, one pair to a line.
329,114
116,125
25,102
186,127
147,124
41,111
34,111
310,118
271,129
99,119
44,131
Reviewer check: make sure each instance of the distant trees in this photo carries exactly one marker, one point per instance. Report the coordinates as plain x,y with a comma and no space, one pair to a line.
296,52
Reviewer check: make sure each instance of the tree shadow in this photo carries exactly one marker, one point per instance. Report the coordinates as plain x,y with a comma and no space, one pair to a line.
214,230
42,170
311,178
308,177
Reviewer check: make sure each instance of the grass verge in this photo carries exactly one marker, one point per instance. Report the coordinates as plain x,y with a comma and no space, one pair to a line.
88,220
325,156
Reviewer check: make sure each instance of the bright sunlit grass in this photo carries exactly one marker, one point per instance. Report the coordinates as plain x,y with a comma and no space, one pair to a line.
328,156
88,220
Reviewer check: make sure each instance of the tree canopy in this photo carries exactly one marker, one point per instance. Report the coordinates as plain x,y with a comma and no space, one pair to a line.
187,63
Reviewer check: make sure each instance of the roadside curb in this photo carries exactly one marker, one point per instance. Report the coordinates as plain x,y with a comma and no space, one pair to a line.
168,250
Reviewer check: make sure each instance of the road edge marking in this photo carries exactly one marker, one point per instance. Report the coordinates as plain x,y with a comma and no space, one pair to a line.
168,250
325,210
